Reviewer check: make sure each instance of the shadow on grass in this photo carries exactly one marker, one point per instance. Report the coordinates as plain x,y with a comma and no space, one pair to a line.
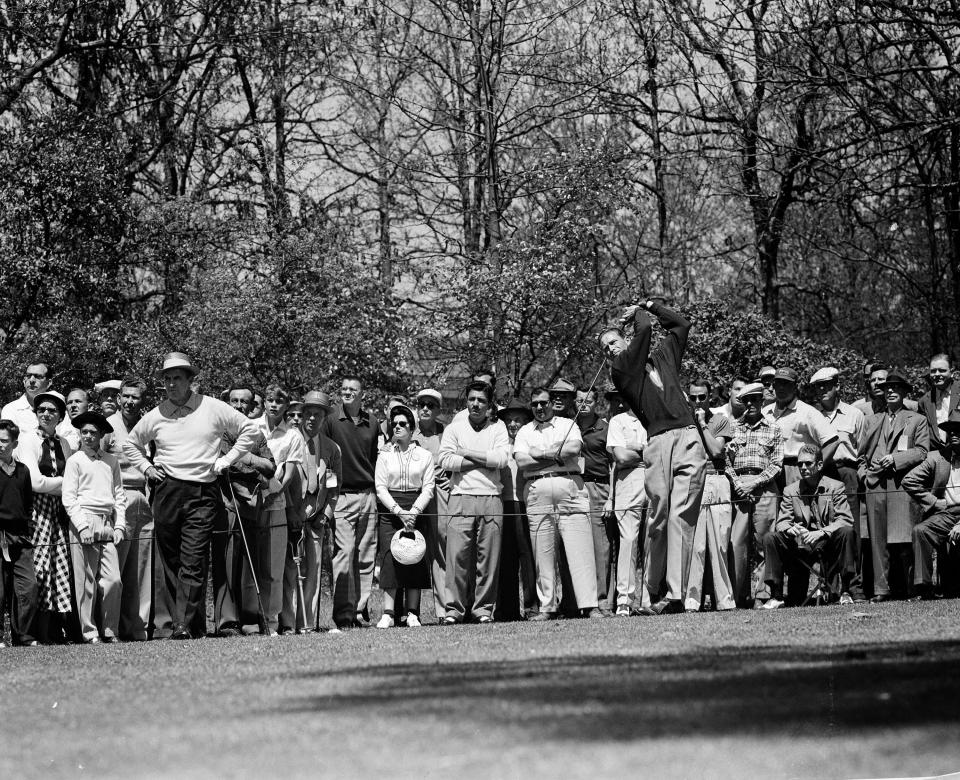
770,691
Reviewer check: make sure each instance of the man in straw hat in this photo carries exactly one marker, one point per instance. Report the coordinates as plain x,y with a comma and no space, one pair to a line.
935,485
186,429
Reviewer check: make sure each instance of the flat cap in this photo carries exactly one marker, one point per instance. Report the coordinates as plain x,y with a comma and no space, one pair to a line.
827,374
754,388
895,378
562,386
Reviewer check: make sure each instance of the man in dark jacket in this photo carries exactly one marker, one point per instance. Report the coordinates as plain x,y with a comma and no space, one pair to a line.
935,485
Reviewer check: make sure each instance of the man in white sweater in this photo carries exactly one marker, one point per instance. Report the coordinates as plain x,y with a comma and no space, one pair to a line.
95,501
474,448
186,430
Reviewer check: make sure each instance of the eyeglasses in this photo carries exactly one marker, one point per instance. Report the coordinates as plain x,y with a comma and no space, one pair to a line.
698,396
428,404
539,403
767,382
401,424
751,399
47,410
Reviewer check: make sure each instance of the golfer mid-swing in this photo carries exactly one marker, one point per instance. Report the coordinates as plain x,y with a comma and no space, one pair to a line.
649,383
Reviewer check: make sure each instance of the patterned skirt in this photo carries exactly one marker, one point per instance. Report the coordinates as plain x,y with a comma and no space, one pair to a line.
51,553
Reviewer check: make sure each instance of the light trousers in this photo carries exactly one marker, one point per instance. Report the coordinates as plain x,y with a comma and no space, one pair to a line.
630,504
305,615
751,522
438,519
96,581
354,556
560,505
711,541
135,560
676,469
473,555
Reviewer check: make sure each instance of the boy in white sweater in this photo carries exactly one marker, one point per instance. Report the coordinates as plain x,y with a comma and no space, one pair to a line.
95,500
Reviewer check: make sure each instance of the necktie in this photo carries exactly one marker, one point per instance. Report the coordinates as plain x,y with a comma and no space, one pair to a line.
46,462
312,481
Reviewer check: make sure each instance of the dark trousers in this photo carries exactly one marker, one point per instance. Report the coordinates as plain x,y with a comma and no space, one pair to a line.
517,573
783,556
184,515
18,580
930,537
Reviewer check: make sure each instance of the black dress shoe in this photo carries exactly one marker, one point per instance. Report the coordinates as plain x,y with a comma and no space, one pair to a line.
663,607
881,597
229,631
180,631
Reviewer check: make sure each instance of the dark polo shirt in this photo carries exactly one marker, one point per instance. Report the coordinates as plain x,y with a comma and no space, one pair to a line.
596,459
358,446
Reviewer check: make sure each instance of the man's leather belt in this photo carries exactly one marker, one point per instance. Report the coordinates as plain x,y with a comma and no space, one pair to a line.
535,477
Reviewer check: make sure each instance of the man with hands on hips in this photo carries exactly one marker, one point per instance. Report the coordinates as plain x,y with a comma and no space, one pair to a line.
186,429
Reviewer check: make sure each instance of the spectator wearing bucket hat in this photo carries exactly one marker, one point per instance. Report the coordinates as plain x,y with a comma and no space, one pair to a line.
404,483
894,441
517,571
45,454
95,501
935,486
428,435
799,422
186,429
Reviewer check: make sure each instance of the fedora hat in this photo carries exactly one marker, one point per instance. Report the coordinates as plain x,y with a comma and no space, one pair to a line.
317,398
953,421
174,360
515,405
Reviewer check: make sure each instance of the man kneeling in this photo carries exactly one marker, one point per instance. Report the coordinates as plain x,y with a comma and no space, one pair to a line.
814,524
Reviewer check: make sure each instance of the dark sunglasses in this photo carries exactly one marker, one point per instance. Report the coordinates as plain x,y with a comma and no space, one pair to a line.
401,424
539,403
698,396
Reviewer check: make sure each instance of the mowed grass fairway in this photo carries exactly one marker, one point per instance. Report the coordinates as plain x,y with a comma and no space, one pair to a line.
844,692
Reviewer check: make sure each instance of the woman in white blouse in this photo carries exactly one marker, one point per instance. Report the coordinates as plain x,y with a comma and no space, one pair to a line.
404,480
44,452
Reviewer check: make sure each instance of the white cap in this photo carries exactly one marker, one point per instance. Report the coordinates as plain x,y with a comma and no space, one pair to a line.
110,384
429,392
827,374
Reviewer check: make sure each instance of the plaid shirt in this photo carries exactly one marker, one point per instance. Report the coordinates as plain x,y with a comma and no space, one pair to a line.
757,446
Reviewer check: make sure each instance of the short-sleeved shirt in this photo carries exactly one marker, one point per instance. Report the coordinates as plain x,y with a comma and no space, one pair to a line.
800,424
719,426
287,446
543,435
848,423
625,430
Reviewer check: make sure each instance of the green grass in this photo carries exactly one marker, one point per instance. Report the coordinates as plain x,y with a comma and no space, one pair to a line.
865,691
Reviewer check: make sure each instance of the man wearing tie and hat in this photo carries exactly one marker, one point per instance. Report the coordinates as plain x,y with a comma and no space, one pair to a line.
935,485
186,429
894,441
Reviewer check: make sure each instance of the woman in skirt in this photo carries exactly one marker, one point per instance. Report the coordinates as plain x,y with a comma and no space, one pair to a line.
45,454
404,481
